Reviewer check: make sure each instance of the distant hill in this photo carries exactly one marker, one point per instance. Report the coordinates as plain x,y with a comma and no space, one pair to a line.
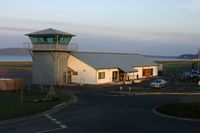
159,56
188,56
13,51
21,51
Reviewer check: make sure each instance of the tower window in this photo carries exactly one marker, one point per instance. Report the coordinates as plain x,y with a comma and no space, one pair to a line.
49,40
64,40
41,40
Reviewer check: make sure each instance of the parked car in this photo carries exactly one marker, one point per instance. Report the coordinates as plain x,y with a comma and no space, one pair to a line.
158,83
186,76
190,76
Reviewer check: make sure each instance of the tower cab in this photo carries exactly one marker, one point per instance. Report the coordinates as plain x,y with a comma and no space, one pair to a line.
50,52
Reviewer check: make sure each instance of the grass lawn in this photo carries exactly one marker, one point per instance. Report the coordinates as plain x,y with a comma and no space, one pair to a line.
185,110
174,67
11,107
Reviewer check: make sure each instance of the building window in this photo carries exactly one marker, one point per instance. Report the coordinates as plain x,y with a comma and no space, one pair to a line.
115,75
75,73
101,75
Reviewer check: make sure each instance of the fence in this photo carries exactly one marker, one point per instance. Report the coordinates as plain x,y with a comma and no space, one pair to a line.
17,74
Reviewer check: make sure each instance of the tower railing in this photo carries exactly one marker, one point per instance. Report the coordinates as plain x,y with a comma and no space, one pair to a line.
50,47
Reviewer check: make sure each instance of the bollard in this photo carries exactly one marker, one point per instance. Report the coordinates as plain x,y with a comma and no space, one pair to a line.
121,88
41,89
129,89
22,95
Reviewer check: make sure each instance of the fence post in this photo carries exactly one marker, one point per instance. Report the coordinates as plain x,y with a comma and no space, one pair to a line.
29,88
22,94
22,89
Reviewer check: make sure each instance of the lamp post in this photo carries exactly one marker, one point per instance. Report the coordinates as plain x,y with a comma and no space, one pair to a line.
198,55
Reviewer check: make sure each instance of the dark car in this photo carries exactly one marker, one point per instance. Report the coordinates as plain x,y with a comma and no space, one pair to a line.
189,76
186,76
195,76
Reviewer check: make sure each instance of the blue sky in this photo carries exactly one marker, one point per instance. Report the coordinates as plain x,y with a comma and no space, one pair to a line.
158,27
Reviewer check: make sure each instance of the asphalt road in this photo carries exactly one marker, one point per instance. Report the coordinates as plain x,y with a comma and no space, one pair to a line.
98,111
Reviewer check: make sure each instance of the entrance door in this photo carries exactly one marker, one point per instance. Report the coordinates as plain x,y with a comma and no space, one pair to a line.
64,77
69,79
115,76
148,73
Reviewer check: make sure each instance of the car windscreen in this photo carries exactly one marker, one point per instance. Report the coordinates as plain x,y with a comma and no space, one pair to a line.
157,81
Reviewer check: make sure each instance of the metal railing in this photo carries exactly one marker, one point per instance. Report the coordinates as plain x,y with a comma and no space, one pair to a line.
50,47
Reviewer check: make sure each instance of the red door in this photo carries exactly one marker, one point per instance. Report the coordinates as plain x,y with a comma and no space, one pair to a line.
147,73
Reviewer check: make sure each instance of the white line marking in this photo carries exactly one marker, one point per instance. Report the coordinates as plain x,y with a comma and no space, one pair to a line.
63,126
46,115
49,117
50,130
57,122
53,119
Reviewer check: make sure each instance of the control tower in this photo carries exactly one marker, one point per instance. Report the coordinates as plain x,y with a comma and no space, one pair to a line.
50,51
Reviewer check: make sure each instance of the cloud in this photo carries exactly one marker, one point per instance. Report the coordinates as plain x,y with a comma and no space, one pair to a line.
13,29
21,27
100,38
193,5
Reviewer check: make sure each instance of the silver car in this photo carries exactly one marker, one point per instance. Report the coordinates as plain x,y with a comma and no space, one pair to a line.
158,83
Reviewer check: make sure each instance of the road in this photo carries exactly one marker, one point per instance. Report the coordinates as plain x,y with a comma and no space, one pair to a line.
98,111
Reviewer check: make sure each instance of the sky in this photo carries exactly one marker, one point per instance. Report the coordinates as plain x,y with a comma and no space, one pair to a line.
151,27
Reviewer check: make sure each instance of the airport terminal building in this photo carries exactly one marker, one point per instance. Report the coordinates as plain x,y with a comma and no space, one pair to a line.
57,62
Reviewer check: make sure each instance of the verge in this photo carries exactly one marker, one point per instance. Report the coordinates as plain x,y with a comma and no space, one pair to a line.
173,117
50,111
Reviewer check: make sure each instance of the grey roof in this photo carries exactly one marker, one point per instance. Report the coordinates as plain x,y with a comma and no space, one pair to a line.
50,31
123,61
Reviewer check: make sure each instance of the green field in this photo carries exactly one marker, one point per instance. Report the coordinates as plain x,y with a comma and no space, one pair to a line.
11,106
16,65
175,67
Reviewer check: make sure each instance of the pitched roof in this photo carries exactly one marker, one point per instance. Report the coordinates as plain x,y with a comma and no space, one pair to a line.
50,31
123,61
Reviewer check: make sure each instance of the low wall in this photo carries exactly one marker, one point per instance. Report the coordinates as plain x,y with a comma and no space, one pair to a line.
11,84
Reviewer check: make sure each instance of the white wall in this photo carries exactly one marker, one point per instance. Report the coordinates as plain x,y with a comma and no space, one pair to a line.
61,67
108,76
48,67
86,74
131,76
140,71
43,69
